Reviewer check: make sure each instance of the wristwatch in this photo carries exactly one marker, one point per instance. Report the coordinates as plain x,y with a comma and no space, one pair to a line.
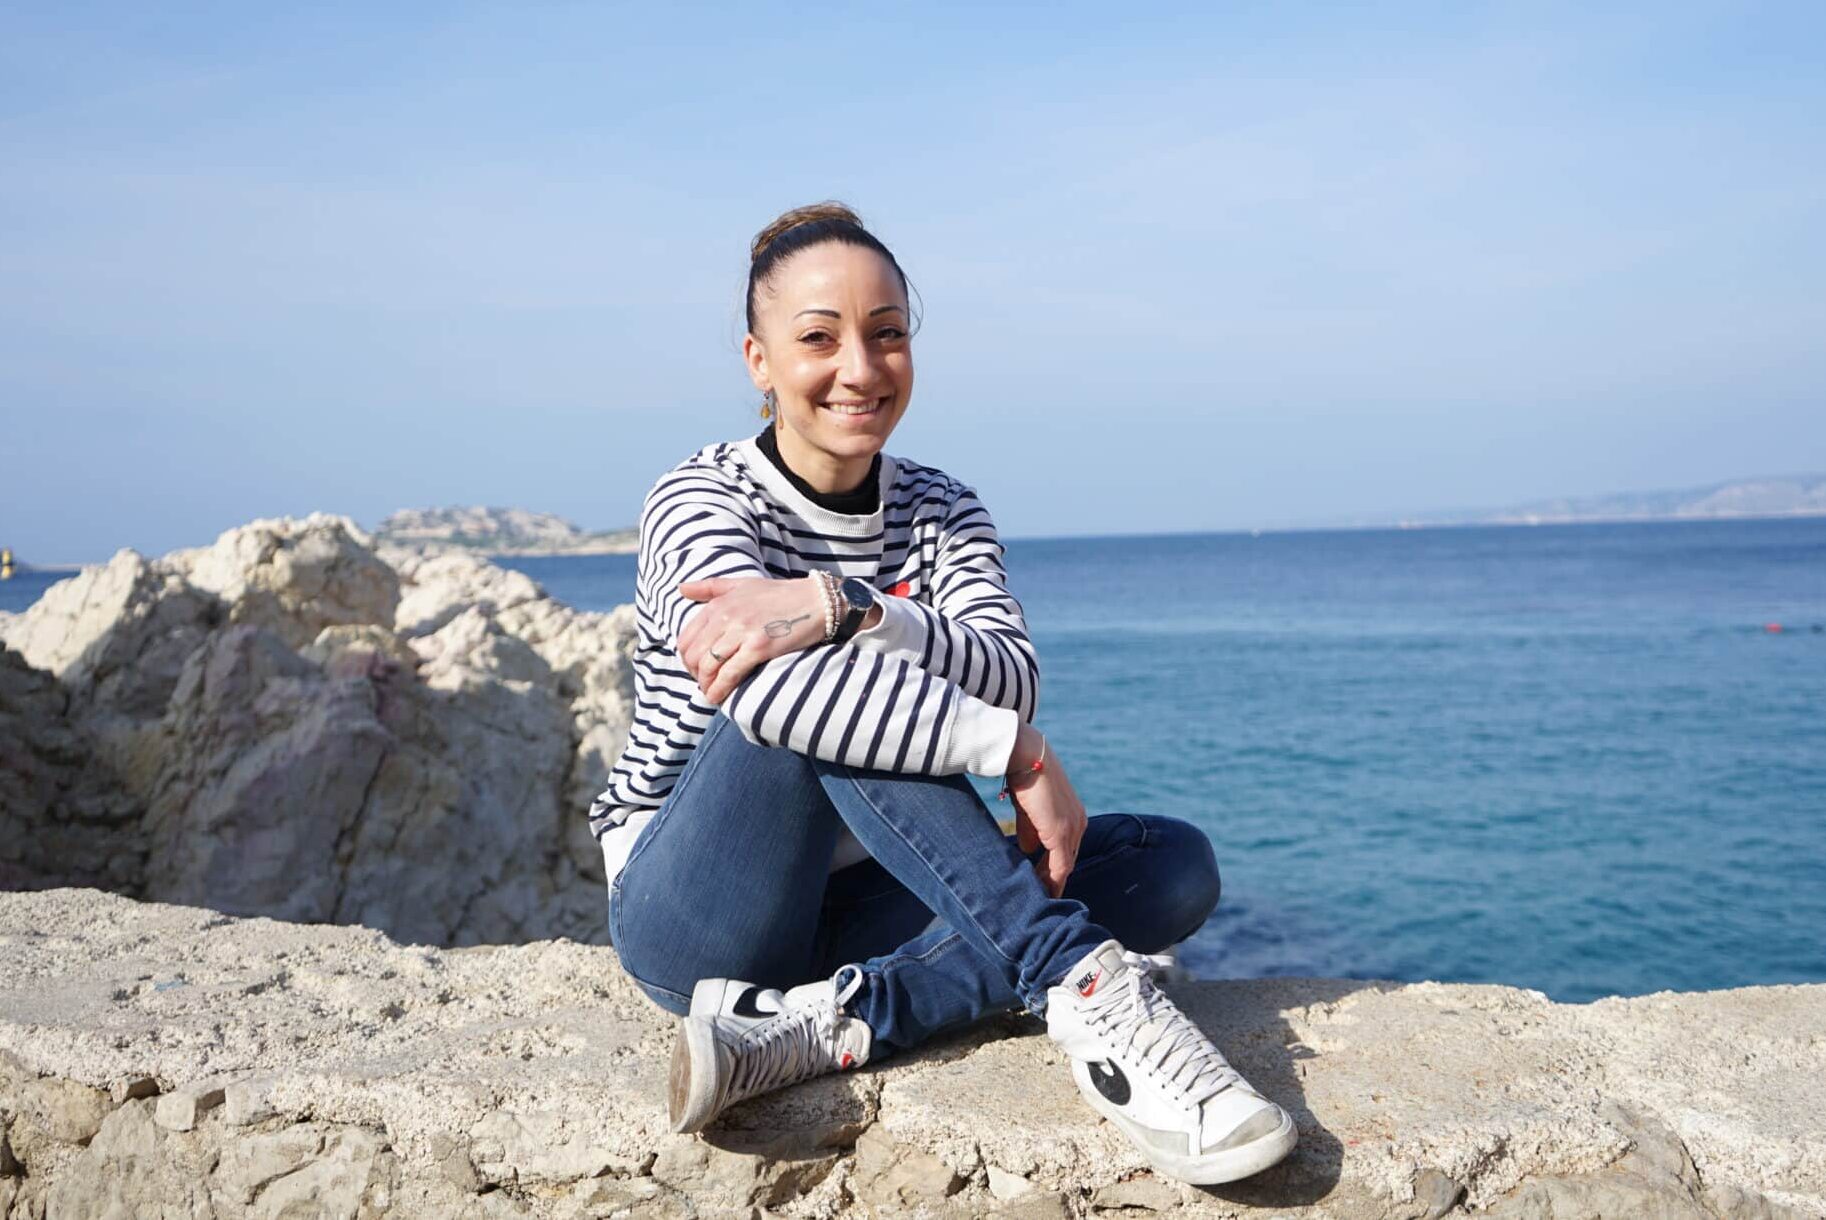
858,599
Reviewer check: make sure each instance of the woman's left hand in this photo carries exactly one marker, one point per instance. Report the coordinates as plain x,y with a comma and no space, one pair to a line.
1048,813
748,620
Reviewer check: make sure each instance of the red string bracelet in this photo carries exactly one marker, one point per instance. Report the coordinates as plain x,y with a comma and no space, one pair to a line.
1038,764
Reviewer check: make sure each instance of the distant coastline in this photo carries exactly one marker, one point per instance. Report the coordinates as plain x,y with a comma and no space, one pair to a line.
522,533
486,530
1772,496
1775,498
1531,521
519,532
1404,527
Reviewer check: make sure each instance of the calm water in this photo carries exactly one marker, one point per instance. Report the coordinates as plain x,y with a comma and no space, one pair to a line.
1569,758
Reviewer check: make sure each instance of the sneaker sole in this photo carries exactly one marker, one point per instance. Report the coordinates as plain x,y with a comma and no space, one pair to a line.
1212,1168
691,1084
692,1081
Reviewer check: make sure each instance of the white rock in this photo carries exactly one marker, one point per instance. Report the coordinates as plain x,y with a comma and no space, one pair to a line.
296,577
1005,1185
246,726
246,1102
64,1110
116,636
183,1108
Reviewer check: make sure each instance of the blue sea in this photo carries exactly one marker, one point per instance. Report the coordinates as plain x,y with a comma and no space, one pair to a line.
1573,758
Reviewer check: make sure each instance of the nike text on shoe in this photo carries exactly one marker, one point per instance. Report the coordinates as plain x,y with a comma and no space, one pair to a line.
740,1040
1143,1065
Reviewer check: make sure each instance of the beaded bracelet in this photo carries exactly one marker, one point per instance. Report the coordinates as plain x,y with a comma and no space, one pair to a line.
1039,764
827,585
832,587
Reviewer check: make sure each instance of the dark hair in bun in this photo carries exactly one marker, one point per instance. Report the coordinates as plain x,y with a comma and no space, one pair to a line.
802,228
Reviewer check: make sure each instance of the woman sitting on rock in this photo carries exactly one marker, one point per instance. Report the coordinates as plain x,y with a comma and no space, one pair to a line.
797,863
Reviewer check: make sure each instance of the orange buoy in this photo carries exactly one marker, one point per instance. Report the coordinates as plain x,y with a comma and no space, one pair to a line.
1773,628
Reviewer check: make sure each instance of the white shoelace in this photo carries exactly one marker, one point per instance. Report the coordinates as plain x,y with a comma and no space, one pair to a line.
796,1045
1139,1017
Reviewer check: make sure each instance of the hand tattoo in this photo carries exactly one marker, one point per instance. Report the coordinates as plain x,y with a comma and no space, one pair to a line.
782,626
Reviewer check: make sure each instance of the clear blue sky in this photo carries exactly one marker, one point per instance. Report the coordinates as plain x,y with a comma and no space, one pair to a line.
1233,266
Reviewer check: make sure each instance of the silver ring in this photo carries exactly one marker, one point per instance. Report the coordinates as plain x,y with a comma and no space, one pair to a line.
719,656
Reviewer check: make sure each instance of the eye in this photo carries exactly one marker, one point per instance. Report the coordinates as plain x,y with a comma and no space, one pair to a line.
815,337
890,333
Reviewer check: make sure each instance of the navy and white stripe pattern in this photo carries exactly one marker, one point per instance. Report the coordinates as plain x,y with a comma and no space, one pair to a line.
939,686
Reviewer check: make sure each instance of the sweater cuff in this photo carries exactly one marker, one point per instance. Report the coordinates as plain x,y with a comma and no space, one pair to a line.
901,628
980,738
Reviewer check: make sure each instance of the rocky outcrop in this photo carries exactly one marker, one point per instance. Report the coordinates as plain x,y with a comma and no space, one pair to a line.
291,723
165,1061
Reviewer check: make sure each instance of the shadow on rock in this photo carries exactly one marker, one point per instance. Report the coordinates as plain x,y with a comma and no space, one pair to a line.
1247,1021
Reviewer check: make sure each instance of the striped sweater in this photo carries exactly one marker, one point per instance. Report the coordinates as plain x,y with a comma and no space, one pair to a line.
939,686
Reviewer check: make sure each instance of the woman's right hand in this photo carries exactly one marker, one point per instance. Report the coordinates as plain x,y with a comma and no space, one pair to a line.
1048,813
746,622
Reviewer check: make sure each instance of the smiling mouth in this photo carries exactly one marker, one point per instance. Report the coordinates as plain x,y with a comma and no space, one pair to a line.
856,408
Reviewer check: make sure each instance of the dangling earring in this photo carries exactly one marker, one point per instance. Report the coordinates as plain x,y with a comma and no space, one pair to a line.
768,403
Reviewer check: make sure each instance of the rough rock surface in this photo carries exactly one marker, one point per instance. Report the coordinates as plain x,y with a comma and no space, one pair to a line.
292,723
61,819
167,1061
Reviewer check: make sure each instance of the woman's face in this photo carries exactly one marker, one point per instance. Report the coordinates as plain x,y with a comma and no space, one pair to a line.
833,347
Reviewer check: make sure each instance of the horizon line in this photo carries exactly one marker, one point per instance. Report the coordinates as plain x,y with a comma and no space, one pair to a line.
1231,531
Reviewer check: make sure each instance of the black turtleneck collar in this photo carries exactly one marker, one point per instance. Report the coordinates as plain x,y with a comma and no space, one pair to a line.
865,499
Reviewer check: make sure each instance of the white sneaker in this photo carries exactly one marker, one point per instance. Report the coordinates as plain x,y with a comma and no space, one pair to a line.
740,1040
1142,1064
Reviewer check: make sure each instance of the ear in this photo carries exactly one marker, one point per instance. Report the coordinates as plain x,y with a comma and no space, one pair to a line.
755,357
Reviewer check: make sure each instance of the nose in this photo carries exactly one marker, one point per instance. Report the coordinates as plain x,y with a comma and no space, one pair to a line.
861,364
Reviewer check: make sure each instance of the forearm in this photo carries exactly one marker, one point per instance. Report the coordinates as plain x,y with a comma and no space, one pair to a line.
844,704
964,625
986,651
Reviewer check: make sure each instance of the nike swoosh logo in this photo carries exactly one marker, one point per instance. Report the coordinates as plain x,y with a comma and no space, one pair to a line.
1111,1083
745,1005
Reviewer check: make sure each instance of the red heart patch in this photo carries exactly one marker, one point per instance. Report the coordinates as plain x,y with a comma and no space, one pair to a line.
901,589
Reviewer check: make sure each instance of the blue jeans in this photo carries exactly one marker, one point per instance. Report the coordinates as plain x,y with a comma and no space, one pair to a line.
948,921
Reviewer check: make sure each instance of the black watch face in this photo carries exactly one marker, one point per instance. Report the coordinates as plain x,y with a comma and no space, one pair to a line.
859,592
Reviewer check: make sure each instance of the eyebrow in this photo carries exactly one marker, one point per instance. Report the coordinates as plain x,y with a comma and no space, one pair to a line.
831,313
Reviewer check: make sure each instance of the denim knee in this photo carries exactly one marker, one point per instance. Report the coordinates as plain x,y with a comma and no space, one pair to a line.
674,1003
1187,885
665,997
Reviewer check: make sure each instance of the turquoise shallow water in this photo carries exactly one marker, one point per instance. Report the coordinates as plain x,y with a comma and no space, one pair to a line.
1569,758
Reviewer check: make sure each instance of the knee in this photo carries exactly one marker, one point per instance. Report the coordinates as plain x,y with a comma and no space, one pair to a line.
656,973
666,956
671,1001
1189,885
667,998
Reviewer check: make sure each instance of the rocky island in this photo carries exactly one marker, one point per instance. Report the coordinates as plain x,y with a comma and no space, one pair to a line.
303,920
499,531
